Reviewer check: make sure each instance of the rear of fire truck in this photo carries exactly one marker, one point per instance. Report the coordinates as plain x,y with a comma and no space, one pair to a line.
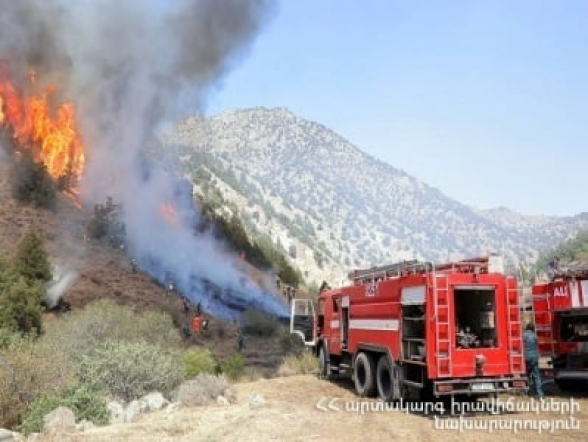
560,310
474,332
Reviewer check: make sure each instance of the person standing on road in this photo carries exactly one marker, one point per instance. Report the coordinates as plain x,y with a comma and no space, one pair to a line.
531,343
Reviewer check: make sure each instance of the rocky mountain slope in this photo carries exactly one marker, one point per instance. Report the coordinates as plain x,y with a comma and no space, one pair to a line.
333,208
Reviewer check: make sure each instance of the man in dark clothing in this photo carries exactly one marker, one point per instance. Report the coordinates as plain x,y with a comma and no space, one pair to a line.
531,343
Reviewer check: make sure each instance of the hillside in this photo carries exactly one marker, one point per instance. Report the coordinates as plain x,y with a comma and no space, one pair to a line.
333,207
102,272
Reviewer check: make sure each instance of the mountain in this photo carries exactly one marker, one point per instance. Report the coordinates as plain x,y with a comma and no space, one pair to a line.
332,207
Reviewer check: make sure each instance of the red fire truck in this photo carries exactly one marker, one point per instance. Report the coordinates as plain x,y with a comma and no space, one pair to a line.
560,310
416,330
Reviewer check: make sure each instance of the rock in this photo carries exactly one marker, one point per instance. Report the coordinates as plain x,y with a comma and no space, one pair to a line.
154,401
132,411
117,412
221,400
6,435
62,418
256,401
85,425
171,408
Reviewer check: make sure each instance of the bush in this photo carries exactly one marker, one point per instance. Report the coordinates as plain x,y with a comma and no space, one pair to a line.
86,402
291,343
203,389
129,370
199,360
306,363
255,322
82,332
27,370
20,303
31,259
9,338
21,286
31,183
233,367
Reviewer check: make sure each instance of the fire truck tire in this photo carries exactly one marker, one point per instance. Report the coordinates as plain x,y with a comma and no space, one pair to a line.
387,379
324,369
364,372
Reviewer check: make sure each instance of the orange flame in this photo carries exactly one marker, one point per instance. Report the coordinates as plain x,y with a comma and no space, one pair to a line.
169,213
51,137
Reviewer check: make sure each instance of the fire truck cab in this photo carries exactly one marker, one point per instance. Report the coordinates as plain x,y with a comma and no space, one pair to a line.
560,311
417,330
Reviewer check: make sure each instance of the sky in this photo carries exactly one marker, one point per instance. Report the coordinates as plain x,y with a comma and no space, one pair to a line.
486,101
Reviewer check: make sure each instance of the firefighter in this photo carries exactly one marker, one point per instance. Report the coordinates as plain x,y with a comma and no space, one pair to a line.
134,265
531,343
199,308
240,341
186,330
196,324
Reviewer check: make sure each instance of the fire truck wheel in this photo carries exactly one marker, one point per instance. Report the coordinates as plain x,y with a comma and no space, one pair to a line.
363,375
385,379
324,369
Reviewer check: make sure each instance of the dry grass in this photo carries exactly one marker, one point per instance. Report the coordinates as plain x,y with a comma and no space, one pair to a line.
305,363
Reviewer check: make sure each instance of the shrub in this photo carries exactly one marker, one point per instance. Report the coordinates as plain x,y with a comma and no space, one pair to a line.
302,364
20,303
82,332
291,343
203,389
129,370
85,401
31,183
31,259
233,366
9,338
27,370
255,322
199,360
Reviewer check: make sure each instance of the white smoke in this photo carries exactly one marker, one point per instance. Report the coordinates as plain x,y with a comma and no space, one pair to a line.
63,278
131,66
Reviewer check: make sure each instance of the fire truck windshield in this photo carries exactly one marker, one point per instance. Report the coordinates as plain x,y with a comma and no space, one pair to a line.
574,328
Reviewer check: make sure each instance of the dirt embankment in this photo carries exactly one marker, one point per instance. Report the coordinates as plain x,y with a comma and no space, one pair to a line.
290,410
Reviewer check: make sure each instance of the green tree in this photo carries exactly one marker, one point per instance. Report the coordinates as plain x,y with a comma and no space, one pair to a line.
31,183
20,302
574,249
31,259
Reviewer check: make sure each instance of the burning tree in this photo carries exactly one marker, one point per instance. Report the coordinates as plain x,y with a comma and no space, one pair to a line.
45,132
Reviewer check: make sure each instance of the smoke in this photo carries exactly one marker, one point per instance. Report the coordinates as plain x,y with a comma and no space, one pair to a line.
63,278
131,67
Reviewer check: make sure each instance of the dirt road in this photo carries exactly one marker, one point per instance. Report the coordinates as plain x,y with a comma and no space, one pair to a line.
290,410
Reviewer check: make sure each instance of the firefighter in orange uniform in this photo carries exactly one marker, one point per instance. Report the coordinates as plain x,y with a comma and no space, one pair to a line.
196,324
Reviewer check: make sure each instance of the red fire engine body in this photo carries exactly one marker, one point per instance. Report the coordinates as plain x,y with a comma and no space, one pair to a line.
413,329
560,310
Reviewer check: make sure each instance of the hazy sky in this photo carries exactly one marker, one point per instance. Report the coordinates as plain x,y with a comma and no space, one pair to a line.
487,101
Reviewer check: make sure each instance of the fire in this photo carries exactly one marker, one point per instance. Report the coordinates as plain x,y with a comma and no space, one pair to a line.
50,137
169,213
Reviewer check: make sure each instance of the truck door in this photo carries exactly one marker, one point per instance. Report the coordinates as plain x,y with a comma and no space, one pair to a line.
336,325
344,322
303,320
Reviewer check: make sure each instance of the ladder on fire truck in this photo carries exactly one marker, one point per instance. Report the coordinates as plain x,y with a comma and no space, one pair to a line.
514,327
440,286
389,271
